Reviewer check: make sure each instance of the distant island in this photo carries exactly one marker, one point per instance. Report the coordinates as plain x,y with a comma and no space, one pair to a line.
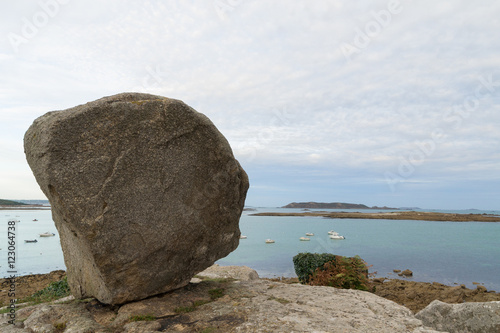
4,202
332,205
23,204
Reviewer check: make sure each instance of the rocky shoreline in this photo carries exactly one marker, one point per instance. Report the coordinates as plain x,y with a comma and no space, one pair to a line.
411,215
25,207
412,294
246,303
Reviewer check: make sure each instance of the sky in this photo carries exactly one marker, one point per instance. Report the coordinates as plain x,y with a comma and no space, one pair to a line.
385,103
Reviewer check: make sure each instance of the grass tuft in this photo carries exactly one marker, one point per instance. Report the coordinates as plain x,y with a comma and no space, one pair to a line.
279,300
142,318
216,293
185,309
55,290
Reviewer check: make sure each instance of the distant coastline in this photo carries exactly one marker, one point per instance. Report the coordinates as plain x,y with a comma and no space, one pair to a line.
24,204
332,205
423,216
5,202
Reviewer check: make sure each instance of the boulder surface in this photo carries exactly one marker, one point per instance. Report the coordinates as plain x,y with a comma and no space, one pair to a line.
145,193
478,317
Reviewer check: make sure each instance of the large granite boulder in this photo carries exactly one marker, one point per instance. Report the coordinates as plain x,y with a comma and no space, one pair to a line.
145,193
468,317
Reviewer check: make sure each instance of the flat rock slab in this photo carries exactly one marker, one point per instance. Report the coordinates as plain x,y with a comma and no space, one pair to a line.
464,318
243,306
242,273
145,193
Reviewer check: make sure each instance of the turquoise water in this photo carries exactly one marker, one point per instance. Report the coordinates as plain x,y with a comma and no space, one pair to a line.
32,258
446,252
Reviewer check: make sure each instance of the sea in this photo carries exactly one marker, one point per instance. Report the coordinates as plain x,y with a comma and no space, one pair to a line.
446,252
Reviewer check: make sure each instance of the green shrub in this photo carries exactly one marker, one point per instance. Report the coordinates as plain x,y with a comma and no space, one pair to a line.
305,264
342,272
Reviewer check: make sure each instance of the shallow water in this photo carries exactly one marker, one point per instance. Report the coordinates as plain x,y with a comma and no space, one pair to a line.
32,258
446,252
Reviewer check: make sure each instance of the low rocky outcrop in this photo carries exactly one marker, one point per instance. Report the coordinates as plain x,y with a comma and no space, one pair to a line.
145,192
418,295
422,216
462,318
242,273
331,205
406,273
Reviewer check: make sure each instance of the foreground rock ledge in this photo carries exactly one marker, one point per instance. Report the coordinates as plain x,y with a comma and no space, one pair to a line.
466,317
145,192
252,305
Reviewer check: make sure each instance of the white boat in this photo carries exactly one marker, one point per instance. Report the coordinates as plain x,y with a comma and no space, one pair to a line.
304,238
243,237
47,234
335,235
269,241
309,234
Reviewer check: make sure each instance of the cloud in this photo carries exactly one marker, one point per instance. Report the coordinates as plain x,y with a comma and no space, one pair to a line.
274,79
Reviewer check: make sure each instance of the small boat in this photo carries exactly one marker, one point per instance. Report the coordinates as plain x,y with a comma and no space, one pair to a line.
34,220
269,241
30,241
47,234
243,237
335,235
304,238
309,234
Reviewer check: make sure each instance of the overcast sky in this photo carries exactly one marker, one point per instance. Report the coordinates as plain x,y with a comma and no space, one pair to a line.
391,103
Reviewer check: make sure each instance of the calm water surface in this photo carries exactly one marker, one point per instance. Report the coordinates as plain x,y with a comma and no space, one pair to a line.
446,252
